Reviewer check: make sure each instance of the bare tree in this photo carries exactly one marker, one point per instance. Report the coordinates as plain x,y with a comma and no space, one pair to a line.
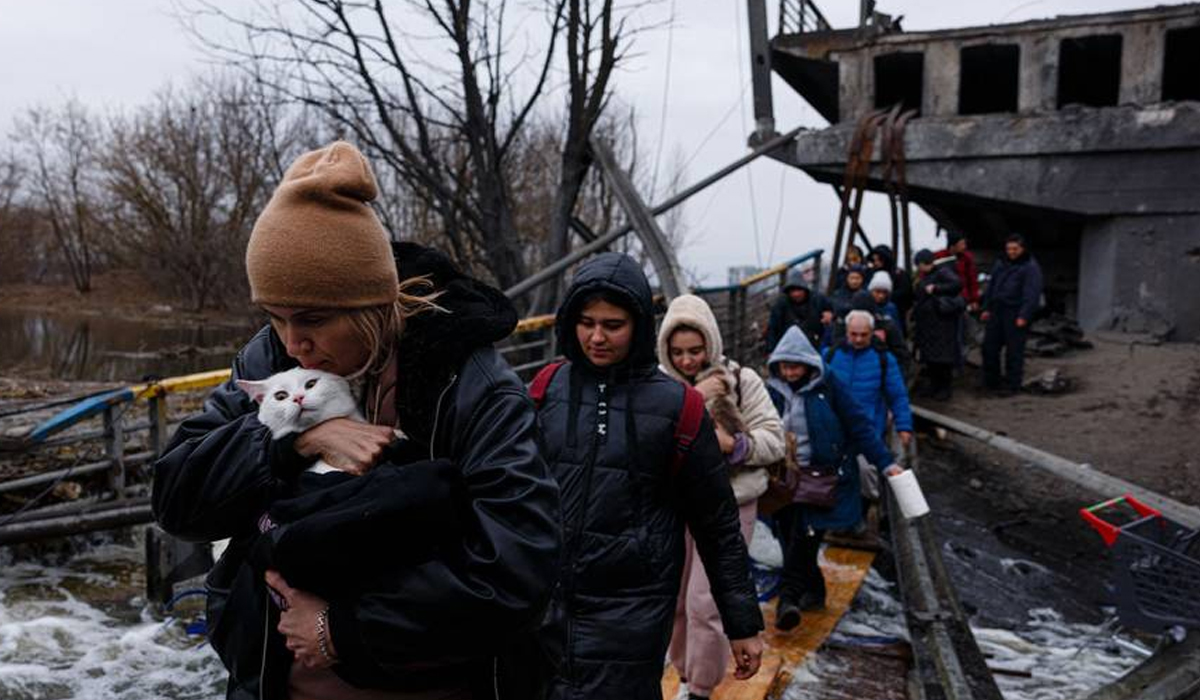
594,46
448,130
17,241
187,176
59,149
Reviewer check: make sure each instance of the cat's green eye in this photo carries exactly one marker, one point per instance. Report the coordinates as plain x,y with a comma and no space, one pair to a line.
280,395
310,384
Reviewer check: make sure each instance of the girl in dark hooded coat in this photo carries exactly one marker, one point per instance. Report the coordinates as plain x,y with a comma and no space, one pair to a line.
610,439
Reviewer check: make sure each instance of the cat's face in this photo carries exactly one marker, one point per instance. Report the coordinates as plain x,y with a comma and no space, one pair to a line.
296,400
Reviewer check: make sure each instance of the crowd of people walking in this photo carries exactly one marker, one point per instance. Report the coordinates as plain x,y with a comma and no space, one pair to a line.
550,541
929,321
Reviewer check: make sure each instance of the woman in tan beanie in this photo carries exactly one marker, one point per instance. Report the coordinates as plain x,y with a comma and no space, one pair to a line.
415,334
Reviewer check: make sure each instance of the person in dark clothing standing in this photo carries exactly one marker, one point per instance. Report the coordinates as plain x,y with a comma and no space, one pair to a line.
611,421
1013,295
799,306
842,297
854,258
936,316
964,266
340,300
968,274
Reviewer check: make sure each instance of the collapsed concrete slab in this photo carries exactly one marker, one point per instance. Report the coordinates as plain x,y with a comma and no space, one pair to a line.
1082,133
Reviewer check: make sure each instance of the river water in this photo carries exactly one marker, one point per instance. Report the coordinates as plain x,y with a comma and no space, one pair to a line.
81,628
95,348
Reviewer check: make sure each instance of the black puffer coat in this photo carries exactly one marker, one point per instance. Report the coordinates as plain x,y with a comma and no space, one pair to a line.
624,511
936,316
786,313
404,629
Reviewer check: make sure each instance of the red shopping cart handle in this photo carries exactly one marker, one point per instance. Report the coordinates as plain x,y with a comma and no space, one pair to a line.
1108,531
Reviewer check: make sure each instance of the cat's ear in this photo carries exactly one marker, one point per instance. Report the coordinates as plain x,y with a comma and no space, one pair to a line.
256,390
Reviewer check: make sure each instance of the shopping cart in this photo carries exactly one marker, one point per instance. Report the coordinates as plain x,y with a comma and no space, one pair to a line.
1156,572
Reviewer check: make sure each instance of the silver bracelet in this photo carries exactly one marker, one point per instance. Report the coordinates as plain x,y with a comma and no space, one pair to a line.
323,634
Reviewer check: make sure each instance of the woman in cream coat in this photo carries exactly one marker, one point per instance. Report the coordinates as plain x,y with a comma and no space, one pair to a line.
751,436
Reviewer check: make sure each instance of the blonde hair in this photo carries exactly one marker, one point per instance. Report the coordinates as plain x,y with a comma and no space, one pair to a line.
379,327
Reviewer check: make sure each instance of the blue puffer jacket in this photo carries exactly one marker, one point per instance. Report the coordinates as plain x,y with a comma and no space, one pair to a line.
834,428
860,371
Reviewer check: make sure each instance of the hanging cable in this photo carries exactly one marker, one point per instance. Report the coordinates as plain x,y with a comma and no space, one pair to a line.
778,215
745,130
737,102
666,96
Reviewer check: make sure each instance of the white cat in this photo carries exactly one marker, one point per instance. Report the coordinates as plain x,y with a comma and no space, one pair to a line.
298,399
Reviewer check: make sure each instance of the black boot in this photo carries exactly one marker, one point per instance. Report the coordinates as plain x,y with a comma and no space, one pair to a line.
813,597
787,615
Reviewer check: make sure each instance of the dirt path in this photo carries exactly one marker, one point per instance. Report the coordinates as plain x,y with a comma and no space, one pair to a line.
1134,412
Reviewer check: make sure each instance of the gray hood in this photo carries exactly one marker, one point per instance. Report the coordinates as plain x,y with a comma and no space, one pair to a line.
795,280
794,346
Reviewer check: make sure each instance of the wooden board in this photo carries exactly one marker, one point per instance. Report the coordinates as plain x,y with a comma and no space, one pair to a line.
845,570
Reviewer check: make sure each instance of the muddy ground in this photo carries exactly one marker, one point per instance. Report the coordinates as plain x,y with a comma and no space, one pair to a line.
1133,412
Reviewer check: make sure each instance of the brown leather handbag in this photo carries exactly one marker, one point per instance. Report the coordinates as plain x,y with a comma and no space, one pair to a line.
781,480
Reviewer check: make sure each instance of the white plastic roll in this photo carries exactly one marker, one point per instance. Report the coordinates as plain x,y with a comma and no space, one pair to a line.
908,494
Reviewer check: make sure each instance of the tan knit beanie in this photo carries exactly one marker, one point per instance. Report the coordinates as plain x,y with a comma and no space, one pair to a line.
318,243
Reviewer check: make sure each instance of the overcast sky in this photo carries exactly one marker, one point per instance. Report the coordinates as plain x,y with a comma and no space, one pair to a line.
112,53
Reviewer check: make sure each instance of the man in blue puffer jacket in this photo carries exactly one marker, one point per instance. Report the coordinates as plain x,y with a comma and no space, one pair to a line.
872,375
829,430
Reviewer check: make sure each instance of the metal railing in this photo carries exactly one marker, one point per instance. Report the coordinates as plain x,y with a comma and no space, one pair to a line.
742,309
112,419
800,16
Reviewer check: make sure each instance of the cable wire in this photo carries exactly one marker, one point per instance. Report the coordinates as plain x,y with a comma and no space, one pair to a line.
745,129
666,96
778,215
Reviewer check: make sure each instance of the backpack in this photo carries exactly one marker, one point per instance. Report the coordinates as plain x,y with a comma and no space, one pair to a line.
883,363
687,428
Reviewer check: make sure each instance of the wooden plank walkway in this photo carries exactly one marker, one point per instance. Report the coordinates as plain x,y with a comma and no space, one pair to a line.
845,570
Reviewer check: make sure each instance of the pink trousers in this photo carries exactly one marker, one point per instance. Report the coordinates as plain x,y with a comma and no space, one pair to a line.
699,649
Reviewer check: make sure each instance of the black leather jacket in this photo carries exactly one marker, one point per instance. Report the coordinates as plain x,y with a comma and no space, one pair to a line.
407,629
624,511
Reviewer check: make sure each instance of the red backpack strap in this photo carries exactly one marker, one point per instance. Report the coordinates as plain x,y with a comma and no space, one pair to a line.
537,388
687,427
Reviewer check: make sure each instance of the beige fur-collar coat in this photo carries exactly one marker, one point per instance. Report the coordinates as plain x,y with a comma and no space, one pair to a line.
763,427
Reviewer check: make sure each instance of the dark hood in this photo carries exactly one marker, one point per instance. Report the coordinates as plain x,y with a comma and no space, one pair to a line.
479,314
435,345
863,301
622,277
795,280
885,252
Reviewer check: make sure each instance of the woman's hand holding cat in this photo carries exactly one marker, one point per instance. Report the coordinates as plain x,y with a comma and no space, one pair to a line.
298,624
345,444
725,440
711,387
